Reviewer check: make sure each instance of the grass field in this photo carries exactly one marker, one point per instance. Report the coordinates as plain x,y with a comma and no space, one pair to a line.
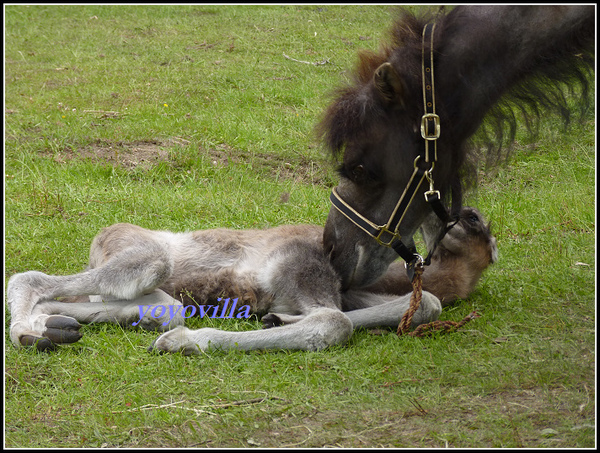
192,117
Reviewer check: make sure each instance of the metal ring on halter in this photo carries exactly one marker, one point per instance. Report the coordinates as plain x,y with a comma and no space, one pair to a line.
419,261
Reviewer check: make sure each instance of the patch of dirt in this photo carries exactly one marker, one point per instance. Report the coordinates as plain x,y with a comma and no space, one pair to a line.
145,154
128,155
298,169
462,424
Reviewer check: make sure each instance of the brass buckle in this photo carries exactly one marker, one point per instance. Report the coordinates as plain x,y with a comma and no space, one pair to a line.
424,128
394,236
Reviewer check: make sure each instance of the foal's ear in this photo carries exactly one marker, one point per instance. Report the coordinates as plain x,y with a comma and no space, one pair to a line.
388,83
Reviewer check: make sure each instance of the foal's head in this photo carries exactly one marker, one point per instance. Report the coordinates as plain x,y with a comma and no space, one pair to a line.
470,239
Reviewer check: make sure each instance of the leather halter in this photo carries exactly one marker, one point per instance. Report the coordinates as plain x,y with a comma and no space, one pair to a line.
388,235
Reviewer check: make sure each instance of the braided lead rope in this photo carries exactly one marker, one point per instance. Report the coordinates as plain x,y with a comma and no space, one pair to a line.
415,301
446,326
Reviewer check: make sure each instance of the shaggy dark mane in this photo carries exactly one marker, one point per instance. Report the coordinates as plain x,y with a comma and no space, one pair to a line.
563,88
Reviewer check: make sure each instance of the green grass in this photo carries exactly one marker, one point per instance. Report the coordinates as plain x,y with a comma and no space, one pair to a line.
190,117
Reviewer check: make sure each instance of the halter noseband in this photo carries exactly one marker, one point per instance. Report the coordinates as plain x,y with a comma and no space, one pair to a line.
388,235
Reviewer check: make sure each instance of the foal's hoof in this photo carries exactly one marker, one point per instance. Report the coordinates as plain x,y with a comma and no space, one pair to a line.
271,320
62,329
40,343
153,350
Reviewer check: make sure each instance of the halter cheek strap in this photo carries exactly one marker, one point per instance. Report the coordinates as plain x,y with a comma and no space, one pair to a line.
387,235
430,121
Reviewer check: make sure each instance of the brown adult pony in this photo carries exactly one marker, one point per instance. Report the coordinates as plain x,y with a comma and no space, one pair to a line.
483,57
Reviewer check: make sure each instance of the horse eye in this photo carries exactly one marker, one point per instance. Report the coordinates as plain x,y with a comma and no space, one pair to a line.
473,218
358,172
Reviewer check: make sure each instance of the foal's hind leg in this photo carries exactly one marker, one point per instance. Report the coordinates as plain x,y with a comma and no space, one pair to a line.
127,275
154,311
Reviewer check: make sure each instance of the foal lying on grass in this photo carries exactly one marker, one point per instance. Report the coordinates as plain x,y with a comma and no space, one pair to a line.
281,274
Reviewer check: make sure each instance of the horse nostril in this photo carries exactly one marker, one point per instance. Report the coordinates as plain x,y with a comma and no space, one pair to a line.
330,251
329,248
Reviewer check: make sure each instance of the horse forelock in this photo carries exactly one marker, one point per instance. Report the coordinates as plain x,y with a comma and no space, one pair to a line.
352,115
353,110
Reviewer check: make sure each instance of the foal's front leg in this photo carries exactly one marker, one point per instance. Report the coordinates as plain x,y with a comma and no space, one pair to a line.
305,293
386,310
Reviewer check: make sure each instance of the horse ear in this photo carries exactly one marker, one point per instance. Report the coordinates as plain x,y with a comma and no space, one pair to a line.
388,83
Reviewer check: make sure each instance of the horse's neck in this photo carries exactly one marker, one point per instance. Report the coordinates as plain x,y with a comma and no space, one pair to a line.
486,50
